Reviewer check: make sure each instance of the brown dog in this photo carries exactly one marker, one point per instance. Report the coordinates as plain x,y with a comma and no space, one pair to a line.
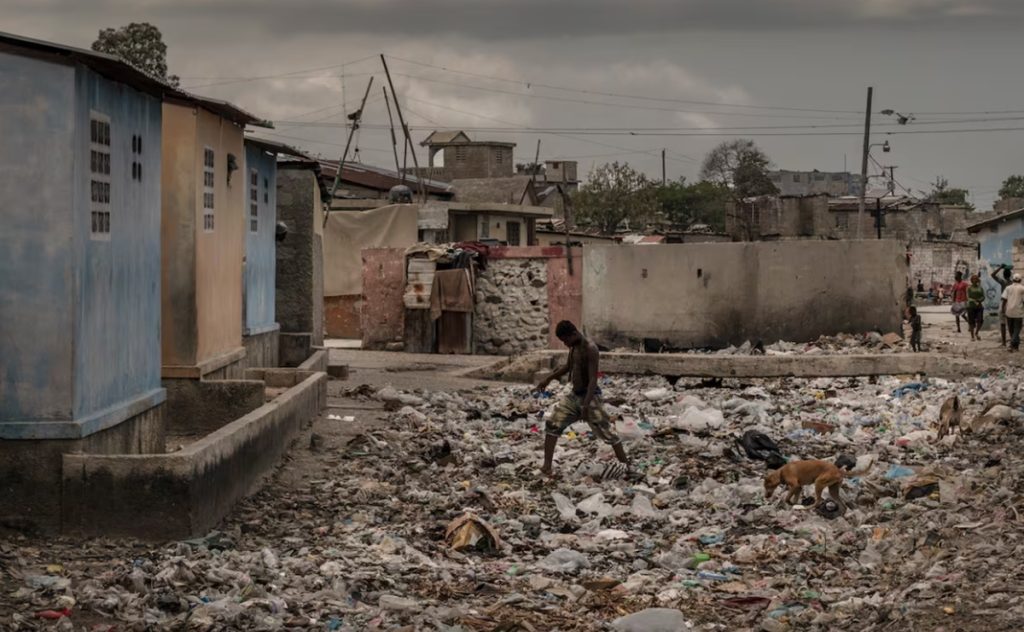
950,416
799,473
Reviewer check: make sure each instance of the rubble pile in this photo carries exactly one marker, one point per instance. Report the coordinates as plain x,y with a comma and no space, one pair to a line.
440,521
839,344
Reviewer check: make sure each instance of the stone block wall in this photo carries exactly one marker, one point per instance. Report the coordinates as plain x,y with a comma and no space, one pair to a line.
936,262
512,306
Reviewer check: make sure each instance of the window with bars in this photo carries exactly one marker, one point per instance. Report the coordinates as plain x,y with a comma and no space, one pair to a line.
842,220
499,156
460,154
99,175
209,163
254,198
137,157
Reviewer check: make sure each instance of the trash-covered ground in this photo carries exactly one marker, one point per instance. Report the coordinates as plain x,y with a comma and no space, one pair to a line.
438,520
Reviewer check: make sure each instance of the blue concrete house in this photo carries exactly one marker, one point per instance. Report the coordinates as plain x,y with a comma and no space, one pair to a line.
996,237
80,136
259,326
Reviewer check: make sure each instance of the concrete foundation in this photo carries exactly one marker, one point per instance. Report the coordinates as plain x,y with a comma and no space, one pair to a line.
170,496
294,349
201,406
30,471
262,349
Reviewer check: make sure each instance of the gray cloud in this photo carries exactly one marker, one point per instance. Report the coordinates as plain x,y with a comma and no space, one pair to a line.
532,19
920,55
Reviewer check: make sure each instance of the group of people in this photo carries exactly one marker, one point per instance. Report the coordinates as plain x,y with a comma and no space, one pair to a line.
969,302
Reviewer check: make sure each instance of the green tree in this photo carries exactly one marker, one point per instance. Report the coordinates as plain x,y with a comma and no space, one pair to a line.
1013,187
741,167
141,45
685,204
615,193
942,193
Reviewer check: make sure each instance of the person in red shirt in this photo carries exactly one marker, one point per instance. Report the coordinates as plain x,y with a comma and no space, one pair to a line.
959,299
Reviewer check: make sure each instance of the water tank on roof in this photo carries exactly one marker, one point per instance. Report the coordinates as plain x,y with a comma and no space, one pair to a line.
400,194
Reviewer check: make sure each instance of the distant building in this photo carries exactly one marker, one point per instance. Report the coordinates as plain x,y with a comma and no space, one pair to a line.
451,155
1001,241
936,235
833,184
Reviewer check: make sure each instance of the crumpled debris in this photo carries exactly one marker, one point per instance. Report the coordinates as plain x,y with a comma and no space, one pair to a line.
362,545
469,531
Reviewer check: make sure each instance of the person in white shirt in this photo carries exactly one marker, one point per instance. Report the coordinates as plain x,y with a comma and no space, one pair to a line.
1013,307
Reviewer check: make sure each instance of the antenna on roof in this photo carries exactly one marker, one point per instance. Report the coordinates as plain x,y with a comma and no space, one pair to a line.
355,117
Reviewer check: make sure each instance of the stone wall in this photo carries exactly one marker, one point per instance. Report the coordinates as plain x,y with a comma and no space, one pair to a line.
512,306
934,263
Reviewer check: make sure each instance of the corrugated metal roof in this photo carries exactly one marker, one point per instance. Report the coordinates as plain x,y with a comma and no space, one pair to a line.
507,190
117,70
998,219
276,147
380,178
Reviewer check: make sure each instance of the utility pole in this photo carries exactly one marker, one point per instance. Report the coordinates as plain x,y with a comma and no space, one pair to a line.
533,173
878,217
863,165
394,140
663,180
356,118
405,128
892,180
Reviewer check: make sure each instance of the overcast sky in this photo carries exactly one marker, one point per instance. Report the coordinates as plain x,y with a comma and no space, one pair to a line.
682,64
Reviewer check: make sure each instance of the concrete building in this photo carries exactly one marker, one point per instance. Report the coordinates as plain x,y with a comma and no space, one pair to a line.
833,184
259,327
300,276
79,266
999,241
451,155
203,235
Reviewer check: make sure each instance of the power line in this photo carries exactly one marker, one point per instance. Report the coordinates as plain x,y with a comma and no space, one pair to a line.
283,74
531,84
629,106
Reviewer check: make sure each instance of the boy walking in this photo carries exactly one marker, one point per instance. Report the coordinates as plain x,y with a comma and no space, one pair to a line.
915,328
584,403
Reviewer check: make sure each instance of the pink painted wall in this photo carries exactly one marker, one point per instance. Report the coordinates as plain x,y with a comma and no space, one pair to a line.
383,312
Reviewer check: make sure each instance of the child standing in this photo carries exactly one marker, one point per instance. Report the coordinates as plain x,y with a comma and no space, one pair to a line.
915,328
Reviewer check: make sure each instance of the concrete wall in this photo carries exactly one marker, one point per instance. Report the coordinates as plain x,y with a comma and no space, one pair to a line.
117,297
299,270
260,251
30,471
186,493
80,315
262,350
383,312
37,125
202,269
713,295
935,262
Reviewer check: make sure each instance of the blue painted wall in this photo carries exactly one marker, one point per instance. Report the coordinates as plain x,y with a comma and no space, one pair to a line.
79,318
260,247
997,247
36,246
117,324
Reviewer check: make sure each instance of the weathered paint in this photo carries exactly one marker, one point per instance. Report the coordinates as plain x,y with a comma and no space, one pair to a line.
997,247
260,251
383,310
80,341
711,295
202,271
